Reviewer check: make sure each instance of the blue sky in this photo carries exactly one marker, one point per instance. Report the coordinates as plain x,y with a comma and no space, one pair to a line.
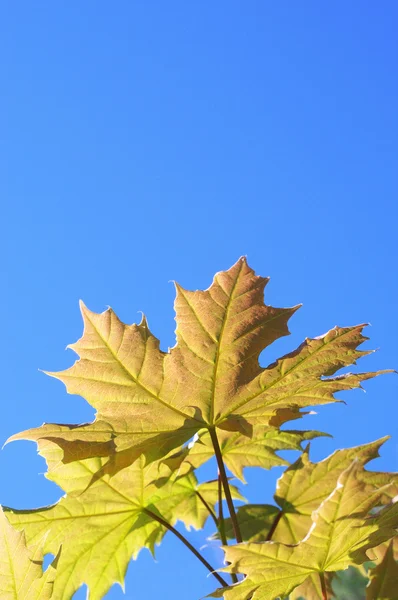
144,142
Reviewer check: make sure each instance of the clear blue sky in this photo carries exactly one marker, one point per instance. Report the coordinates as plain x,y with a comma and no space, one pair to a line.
145,141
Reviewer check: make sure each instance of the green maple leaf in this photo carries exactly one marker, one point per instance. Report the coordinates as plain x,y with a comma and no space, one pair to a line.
305,484
384,576
311,589
239,450
300,490
21,574
149,401
113,519
255,522
341,533
350,584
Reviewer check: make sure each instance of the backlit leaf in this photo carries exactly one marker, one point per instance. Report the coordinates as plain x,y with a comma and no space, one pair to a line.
255,522
149,402
384,576
129,475
311,588
304,485
21,574
341,533
112,519
240,451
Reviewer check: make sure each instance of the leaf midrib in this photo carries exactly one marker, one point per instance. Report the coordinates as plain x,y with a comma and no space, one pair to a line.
218,347
267,388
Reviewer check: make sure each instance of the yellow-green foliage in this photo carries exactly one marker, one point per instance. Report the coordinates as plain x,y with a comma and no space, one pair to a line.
129,476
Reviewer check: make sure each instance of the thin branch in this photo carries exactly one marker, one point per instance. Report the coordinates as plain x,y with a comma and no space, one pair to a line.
208,507
219,522
224,479
186,543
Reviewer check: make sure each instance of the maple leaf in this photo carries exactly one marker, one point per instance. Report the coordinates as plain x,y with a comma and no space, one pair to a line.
113,519
304,485
311,589
255,522
300,490
239,450
383,583
349,584
149,401
21,574
341,533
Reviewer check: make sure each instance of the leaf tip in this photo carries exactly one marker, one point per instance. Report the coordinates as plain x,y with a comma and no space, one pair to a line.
242,259
178,287
8,441
82,306
384,439
50,373
144,320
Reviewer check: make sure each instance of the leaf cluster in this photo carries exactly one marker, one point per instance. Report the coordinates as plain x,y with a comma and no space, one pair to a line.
130,476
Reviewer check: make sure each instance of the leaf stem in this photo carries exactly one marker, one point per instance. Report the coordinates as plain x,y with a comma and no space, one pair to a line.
186,543
274,526
221,523
224,480
323,586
